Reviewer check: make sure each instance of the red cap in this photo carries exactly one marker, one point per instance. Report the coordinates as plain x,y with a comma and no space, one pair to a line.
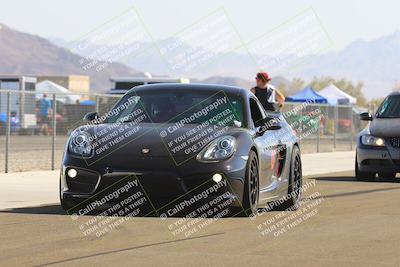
263,76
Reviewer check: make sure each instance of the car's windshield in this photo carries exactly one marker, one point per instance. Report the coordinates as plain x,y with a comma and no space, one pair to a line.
390,108
171,106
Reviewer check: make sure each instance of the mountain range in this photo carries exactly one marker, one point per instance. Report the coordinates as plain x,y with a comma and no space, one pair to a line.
22,54
376,62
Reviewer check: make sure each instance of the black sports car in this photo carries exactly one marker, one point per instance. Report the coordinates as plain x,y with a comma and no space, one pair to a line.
176,144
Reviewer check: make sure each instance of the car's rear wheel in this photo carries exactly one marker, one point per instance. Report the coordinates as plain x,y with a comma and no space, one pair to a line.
363,176
251,185
293,198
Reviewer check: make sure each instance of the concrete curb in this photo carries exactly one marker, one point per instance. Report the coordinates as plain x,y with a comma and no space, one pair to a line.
23,189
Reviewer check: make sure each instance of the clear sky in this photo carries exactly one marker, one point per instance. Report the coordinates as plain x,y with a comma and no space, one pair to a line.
344,20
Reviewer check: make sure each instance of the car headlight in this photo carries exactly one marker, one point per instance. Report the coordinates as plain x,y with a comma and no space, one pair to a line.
80,144
369,140
219,149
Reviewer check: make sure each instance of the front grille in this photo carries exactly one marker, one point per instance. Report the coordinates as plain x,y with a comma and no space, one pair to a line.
376,162
395,142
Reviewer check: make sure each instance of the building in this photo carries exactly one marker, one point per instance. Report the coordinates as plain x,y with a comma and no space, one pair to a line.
122,84
79,84
22,99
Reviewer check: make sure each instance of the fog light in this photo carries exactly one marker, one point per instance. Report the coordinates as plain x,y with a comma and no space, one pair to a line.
217,177
72,173
379,142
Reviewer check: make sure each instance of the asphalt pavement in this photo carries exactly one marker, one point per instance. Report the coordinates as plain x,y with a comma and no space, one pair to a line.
341,222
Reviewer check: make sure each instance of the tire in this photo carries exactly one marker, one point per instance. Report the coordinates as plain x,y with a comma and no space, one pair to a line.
363,176
66,205
387,175
63,203
70,206
293,197
251,185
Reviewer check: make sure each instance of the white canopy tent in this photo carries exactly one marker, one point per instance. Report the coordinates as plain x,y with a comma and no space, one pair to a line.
335,96
63,94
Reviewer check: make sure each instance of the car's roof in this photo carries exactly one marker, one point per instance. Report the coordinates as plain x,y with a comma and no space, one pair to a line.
395,93
192,86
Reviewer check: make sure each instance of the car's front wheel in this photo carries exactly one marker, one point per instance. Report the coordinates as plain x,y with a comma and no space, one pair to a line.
67,205
363,176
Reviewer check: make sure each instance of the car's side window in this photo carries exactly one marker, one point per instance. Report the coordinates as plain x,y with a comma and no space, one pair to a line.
257,115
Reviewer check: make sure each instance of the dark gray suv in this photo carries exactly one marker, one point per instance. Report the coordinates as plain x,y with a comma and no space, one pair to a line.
378,145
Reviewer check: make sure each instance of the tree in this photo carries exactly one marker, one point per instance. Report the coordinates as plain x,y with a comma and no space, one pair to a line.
343,84
376,102
396,87
295,85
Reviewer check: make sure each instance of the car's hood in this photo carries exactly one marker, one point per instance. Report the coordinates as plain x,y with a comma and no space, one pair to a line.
385,127
127,145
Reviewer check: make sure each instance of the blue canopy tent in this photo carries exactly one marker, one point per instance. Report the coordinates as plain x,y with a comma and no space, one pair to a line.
307,95
88,103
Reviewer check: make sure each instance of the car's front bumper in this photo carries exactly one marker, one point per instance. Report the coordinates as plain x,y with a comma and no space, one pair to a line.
385,160
161,187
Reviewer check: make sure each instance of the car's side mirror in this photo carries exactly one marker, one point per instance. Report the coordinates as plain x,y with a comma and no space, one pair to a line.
259,131
268,124
274,127
366,116
91,116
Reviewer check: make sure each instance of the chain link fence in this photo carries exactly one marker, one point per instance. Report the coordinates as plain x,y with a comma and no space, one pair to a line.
322,127
34,128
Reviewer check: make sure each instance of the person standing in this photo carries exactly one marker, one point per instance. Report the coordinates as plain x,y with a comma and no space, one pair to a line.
44,112
266,93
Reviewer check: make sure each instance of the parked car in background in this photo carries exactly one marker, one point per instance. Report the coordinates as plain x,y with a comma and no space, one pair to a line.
378,145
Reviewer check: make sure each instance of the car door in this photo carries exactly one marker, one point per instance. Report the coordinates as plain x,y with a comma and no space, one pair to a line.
267,147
